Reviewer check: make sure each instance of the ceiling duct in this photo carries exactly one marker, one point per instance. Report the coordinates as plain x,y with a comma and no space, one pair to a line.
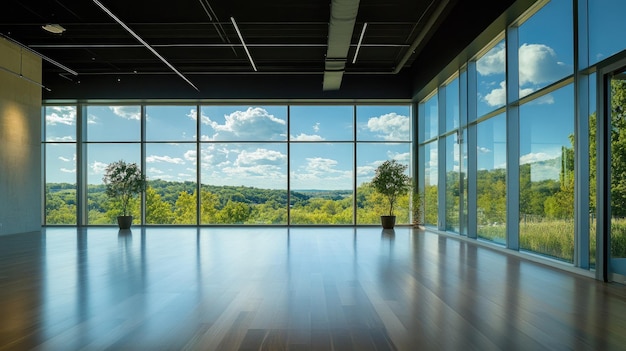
342,20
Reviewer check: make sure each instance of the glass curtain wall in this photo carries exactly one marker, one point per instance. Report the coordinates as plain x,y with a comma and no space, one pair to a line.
521,146
225,164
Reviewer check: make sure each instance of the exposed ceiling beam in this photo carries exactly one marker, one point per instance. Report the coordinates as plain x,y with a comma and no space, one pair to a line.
429,28
150,48
342,20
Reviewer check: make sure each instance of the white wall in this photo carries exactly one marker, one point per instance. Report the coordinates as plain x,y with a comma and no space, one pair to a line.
20,140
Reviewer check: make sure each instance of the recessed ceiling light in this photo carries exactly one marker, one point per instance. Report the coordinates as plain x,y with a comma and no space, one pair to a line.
53,28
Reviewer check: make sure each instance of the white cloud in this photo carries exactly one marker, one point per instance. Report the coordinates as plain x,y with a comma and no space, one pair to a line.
260,157
92,119
404,157
538,64
391,126
248,125
497,97
64,159
61,115
536,157
483,150
66,170
166,159
126,112
98,167
316,127
155,171
493,62
63,138
307,137
191,156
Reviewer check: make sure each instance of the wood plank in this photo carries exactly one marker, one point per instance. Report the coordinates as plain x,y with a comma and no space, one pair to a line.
291,289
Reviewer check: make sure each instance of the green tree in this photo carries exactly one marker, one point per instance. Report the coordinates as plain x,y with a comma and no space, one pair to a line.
185,208
157,210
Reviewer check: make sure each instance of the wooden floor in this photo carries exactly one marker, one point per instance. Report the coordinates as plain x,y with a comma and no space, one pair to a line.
296,289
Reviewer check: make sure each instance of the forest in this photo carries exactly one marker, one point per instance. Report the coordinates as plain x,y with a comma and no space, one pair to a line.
176,203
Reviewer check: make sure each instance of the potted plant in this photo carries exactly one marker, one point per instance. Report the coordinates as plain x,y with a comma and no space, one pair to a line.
391,181
123,182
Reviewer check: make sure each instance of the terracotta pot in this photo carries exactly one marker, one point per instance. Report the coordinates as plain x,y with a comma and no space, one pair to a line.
388,221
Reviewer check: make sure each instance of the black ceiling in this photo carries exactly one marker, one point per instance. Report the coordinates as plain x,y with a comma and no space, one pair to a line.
287,40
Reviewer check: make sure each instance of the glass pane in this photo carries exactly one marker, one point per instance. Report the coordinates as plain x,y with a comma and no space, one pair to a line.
606,29
385,123
491,179
463,183
592,170
101,210
113,123
321,183
172,191
547,175
321,123
60,123
617,137
243,123
546,56
369,204
491,69
452,105
431,118
171,123
61,183
431,181
244,183
453,183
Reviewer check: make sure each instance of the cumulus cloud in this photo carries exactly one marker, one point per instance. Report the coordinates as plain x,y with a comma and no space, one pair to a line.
497,97
260,157
166,159
390,126
493,62
307,137
61,115
316,127
66,170
64,159
191,156
483,150
538,64
247,125
193,114
126,112
98,167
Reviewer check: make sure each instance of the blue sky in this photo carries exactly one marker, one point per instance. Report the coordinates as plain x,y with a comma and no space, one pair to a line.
241,145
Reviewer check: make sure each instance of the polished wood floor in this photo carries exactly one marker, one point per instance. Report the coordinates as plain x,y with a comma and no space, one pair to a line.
292,289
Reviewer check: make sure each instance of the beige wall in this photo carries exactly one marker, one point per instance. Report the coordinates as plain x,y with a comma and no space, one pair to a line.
20,140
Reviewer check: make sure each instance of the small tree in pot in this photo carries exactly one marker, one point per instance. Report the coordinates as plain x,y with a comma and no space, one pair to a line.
123,182
391,181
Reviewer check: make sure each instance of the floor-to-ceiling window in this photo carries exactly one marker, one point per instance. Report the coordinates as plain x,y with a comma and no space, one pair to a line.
60,159
520,135
226,164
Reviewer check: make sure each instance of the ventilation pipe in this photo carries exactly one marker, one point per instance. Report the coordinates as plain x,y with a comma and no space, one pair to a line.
342,20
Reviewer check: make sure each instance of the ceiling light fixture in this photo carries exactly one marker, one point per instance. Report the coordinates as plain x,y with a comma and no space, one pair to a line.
358,46
54,28
108,12
243,43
